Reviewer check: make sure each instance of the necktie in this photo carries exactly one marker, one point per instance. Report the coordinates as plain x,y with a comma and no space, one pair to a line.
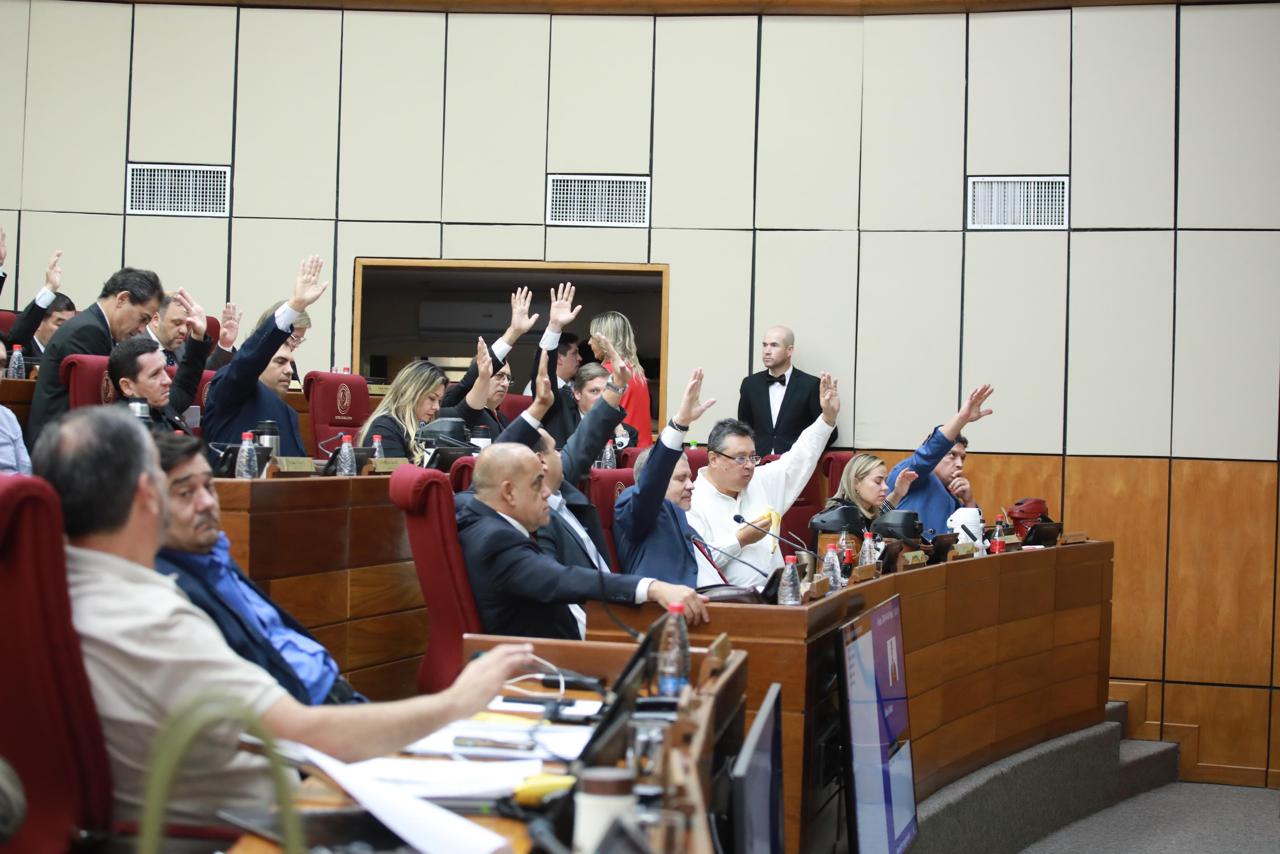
170,360
780,379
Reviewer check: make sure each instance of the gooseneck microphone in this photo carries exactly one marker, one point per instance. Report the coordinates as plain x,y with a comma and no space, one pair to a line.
692,536
795,544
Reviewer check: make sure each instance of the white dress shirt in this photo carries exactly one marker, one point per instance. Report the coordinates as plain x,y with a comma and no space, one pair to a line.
776,393
775,485
44,299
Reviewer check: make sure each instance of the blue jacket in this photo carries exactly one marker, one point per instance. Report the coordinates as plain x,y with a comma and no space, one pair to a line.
928,496
650,531
237,400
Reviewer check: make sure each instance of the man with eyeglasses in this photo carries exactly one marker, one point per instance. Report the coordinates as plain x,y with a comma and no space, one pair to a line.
252,387
732,485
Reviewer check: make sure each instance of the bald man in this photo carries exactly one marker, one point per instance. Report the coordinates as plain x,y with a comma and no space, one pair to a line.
780,401
520,590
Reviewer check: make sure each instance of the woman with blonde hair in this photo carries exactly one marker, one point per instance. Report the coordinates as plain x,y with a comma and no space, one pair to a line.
616,329
862,485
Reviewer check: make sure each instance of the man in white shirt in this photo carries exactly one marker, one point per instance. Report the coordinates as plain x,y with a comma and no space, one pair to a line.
149,652
732,485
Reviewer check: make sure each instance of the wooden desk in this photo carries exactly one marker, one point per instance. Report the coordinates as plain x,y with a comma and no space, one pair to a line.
16,394
1002,652
333,553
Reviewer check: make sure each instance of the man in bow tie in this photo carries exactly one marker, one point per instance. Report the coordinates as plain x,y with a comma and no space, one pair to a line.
780,401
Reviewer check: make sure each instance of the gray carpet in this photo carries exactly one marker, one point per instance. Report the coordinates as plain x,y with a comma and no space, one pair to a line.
1180,818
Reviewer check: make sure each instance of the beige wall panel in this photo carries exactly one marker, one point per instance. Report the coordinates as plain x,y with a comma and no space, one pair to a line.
704,122
1229,175
913,122
14,18
183,84
287,113
601,94
264,264
1019,93
373,240
1122,117
187,252
495,147
392,116
1015,301
1119,386
810,122
91,246
707,316
899,271
1226,351
505,242
9,225
823,264
624,245
77,107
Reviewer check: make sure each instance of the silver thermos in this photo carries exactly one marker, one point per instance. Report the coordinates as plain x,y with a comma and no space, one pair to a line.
267,435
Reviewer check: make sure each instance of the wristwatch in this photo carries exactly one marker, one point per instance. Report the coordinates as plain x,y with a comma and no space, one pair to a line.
616,389
683,428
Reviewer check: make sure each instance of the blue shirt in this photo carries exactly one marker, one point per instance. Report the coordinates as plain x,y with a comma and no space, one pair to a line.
13,451
311,661
928,496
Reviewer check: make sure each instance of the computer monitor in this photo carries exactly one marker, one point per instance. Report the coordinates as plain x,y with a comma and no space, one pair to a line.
756,781
608,744
879,789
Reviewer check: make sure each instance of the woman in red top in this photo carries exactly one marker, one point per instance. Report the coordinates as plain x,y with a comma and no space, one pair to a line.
635,400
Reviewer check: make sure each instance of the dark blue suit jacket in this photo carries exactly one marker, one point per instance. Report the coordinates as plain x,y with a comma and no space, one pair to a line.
237,400
651,532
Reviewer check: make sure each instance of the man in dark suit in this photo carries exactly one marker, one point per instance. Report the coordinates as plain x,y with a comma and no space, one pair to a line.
128,300
780,401
519,589
35,327
587,388
137,371
252,387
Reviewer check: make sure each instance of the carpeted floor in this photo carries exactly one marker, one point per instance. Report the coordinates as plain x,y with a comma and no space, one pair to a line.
1180,818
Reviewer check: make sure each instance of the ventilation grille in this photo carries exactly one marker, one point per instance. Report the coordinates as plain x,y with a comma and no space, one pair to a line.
1033,203
166,190
616,201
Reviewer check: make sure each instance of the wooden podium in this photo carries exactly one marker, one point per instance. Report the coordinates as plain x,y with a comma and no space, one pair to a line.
1002,652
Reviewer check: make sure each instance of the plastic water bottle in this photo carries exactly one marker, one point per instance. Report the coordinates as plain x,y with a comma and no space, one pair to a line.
378,453
608,457
831,569
789,585
844,540
17,365
673,653
247,459
868,554
346,458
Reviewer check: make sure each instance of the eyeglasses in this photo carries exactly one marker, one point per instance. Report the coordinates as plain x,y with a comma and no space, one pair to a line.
742,461
502,378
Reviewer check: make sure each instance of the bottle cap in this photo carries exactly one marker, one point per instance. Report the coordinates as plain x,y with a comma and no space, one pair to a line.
831,547
346,370
377,437
675,608
246,436
789,559
867,535
17,348
606,781
999,517
346,440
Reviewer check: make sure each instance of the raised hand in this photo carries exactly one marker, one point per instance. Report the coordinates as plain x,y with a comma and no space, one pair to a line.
307,288
4,247
902,485
562,311
196,320
972,410
543,390
230,325
52,275
521,320
690,409
619,371
478,396
829,397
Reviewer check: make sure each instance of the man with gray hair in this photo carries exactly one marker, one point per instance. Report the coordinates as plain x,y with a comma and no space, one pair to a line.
780,401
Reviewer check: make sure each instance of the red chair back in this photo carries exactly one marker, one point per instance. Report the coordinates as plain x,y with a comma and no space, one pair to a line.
461,472
832,467
49,728
627,457
697,458
86,380
339,404
513,404
7,319
426,498
795,522
603,489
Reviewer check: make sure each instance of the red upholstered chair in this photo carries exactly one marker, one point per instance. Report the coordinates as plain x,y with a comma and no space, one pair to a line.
603,489
513,404
461,472
49,730
7,319
426,498
339,404
831,467
627,457
697,458
795,521
86,380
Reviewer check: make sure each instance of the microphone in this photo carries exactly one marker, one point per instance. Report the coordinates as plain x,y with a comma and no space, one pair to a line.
795,545
335,438
692,536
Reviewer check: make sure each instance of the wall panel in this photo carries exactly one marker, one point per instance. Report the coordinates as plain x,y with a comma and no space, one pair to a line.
186,252
601,94
1122,104
704,122
1229,129
786,260
1222,733
710,274
1226,351
913,122
1273,766
999,480
1221,602
1019,93
9,225
182,97
1120,343
14,18
392,129
598,244
1014,310
810,101
495,145
503,242
91,247
77,107
899,271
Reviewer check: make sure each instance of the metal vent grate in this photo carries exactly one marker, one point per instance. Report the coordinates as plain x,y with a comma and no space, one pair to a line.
616,201
165,189
1033,203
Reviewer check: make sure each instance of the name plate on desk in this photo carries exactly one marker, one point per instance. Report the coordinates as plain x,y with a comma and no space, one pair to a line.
1073,537
908,560
961,550
866,572
291,467
387,465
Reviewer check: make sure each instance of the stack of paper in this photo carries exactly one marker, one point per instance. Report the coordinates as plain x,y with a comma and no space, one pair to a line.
554,742
433,778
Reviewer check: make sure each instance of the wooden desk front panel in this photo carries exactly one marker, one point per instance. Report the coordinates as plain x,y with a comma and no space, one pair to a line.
16,394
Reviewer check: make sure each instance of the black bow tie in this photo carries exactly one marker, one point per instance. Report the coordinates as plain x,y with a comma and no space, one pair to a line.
780,379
